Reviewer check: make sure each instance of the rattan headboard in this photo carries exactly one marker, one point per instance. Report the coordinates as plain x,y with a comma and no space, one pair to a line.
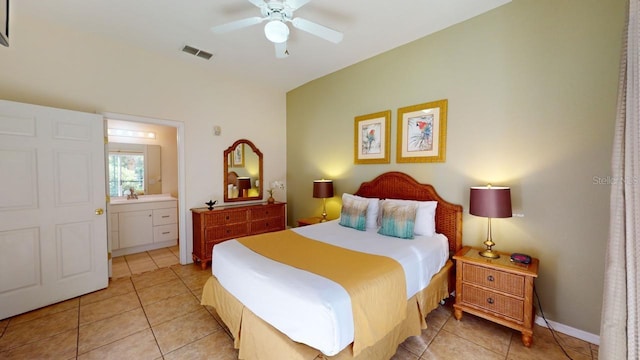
397,185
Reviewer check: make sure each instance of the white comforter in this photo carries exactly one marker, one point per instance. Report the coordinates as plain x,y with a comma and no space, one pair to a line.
309,308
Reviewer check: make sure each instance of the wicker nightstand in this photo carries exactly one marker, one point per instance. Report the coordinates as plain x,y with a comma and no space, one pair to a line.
309,221
496,289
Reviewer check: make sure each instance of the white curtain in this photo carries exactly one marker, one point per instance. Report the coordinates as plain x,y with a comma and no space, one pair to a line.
619,327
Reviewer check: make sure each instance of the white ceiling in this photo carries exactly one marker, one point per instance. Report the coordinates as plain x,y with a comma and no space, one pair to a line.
370,27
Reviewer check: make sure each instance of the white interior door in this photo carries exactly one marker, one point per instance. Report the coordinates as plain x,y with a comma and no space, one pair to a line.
53,237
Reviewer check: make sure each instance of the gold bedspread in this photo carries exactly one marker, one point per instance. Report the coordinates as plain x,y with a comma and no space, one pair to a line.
376,284
256,339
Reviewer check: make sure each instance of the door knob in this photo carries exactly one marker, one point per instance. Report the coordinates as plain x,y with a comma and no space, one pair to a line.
99,211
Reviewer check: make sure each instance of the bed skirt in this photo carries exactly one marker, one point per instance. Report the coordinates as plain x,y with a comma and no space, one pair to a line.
255,339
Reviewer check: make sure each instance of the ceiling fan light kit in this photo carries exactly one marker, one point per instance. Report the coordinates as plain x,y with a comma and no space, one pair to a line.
276,31
278,13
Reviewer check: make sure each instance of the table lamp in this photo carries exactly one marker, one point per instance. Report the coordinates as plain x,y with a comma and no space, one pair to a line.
244,184
323,189
490,202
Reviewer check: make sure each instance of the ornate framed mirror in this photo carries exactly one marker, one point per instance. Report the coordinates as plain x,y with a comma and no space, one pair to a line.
242,172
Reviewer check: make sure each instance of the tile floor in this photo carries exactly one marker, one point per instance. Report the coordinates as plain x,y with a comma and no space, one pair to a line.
155,314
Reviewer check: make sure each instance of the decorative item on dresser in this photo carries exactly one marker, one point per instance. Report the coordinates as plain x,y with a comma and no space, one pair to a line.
211,227
496,289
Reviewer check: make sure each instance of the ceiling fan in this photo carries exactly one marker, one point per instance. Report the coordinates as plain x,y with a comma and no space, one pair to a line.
278,14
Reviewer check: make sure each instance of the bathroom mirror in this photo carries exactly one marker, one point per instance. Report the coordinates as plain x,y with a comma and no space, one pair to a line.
136,166
242,172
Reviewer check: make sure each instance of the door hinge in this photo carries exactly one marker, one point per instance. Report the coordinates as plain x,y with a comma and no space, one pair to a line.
107,199
106,139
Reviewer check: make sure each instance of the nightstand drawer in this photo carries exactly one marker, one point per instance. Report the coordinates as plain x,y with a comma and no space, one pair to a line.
494,302
493,279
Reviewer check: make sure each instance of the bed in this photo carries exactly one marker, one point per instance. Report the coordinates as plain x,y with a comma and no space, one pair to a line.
305,315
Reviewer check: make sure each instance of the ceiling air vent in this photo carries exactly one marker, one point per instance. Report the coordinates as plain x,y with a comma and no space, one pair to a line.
197,52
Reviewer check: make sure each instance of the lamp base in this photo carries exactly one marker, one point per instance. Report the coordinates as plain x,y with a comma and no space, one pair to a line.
489,254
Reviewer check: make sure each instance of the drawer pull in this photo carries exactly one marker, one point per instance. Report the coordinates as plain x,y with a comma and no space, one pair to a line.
165,216
490,278
490,300
166,232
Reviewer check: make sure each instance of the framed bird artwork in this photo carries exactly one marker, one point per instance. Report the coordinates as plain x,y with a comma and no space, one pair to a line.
371,138
422,132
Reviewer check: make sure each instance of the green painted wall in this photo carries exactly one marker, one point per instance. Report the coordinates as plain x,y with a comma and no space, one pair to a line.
532,90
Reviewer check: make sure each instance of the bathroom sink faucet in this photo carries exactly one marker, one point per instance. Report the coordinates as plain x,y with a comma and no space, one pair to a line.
132,195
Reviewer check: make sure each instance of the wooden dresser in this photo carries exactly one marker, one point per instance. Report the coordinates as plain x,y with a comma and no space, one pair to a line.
496,289
211,227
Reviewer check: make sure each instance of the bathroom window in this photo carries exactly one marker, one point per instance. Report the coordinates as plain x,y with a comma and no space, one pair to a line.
126,171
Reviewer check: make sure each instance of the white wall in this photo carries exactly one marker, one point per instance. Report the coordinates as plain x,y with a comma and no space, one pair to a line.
54,66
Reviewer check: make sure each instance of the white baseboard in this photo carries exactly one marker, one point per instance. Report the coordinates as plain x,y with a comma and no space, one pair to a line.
568,330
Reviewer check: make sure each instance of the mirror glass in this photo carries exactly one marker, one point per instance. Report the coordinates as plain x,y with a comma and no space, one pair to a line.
134,166
242,172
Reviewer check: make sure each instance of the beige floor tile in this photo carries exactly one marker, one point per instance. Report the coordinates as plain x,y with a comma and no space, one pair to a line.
60,346
171,308
116,287
118,260
162,291
595,351
160,252
108,307
197,280
137,256
141,281
37,329
99,333
47,310
142,266
188,270
482,332
141,345
449,346
3,325
175,250
217,346
176,333
404,354
120,271
544,346
166,261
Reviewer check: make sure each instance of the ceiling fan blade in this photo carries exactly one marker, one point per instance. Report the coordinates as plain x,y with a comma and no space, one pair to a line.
258,3
317,30
297,4
281,50
238,24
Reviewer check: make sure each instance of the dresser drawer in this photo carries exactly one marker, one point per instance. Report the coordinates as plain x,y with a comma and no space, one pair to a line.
266,225
165,216
165,232
219,233
494,302
493,279
267,211
225,217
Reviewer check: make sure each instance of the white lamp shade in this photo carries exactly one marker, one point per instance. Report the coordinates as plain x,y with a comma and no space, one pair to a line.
276,31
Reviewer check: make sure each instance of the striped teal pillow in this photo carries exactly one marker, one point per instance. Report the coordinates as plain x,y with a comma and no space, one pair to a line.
354,213
398,220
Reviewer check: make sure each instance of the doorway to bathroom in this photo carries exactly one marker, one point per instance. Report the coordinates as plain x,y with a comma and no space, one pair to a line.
145,161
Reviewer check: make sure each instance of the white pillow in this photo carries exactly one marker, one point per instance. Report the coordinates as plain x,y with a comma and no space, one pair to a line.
425,216
372,209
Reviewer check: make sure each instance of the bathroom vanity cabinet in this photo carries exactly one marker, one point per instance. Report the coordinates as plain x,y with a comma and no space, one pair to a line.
137,226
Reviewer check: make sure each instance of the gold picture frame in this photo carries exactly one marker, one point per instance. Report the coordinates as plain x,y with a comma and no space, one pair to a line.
237,156
372,136
422,133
